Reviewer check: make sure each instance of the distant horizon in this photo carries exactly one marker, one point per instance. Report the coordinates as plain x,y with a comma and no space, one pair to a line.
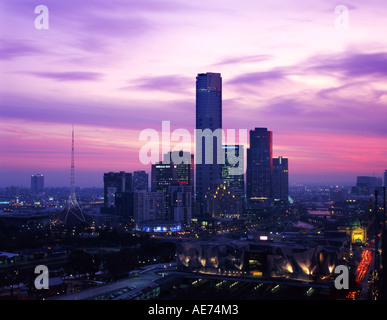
24,181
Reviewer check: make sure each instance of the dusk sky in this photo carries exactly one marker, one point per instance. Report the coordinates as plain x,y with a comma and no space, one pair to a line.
117,67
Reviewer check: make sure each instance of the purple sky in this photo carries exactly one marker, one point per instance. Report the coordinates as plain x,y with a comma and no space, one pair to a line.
114,68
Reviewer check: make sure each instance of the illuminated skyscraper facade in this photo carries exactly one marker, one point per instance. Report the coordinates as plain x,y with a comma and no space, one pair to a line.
234,181
259,171
209,118
281,178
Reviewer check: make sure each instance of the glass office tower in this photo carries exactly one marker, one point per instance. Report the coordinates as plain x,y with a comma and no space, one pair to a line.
259,171
281,178
235,181
37,183
208,120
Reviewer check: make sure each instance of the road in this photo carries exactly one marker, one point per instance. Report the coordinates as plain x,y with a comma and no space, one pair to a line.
366,265
145,280
363,267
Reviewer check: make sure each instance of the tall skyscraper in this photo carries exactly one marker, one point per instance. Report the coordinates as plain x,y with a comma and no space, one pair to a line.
259,170
208,120
140,181
281,178
115,182
234,181
385,178
37,183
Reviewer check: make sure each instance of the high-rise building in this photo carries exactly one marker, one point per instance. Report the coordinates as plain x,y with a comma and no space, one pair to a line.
366,185
259,170
37,183
115,182
167,173
184,166
148,206
180,197
281,178
234,181
123,203
221,201
140,181
208,121
163,176
385,178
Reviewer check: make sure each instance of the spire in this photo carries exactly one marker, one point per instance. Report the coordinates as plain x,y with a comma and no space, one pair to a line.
73,212
72,178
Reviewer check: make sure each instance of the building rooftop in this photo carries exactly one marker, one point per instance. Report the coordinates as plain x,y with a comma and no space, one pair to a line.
8,255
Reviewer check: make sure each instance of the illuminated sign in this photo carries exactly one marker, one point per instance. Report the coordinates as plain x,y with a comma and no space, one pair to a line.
158,229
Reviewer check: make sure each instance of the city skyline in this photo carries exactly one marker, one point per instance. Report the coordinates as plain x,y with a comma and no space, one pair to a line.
114,69
175,151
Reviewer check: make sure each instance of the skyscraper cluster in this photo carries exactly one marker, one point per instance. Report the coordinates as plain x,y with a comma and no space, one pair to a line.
177,195
266,177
